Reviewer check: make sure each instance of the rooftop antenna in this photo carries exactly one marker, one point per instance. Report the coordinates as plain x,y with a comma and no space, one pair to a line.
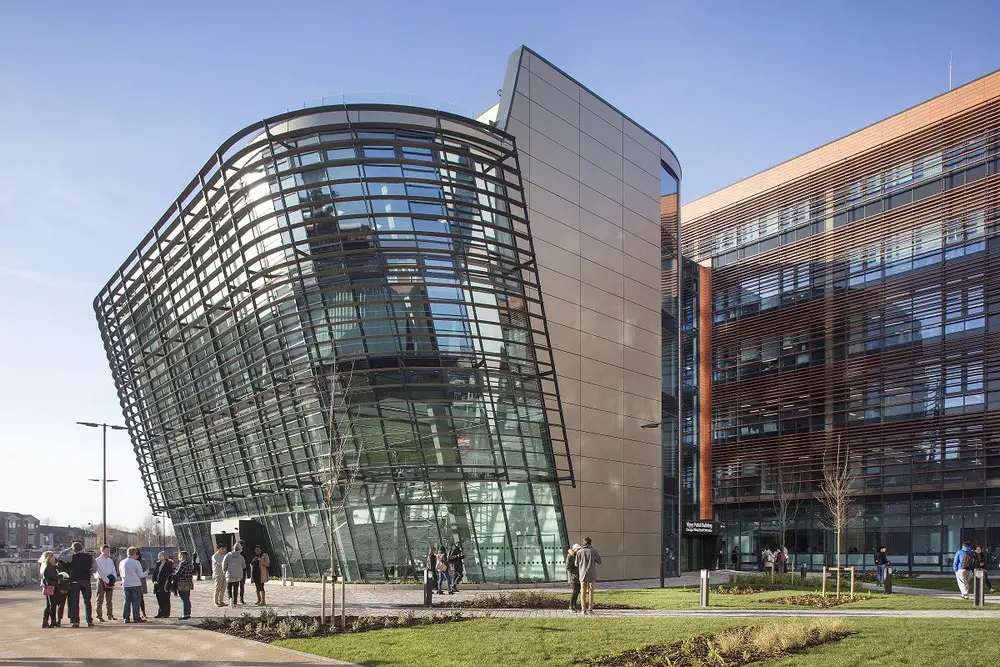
949,70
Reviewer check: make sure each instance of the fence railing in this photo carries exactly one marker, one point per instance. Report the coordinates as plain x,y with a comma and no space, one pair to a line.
13,575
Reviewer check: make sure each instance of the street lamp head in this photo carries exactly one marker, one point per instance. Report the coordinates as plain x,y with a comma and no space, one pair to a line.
90,424
91,479
118,428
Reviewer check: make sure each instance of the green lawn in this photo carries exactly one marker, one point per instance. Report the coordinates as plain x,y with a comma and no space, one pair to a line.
947,584
687,598
558,642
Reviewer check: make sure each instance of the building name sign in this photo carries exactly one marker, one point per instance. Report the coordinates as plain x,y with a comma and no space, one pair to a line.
700,528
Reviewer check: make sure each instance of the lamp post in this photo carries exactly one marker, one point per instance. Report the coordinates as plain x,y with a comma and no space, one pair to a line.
104,472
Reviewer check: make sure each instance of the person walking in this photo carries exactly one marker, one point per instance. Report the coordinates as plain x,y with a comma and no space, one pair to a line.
260,567
964,565
81,569
196,565
106,577
184,583
49,577
982,563
587,560
881,563
734,558
457,560
132,573
219,575
573,577
443,573
162,572
234,567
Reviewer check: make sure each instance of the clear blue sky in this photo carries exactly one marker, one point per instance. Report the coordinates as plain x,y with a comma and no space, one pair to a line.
108,109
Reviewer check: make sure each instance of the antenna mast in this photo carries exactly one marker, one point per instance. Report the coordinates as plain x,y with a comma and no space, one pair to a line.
949,69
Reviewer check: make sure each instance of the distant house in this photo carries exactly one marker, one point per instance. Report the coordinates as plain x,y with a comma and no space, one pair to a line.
18,530
52,537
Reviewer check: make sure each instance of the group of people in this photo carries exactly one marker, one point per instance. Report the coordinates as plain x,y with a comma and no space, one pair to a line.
967,560
72,573
770,559
230,570
581,572
447,564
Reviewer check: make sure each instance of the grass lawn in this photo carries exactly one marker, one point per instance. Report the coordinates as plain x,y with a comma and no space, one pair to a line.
558,642
947,584
687,598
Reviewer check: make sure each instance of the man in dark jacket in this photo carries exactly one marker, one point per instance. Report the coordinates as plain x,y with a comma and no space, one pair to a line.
982,563
573,577
81,569
162,572
457,559
881,562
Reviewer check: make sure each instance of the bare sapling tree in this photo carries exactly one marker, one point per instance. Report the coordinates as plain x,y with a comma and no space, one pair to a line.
340,472
839,496
787,494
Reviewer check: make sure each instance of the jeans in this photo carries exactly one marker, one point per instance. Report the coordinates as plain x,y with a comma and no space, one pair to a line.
574,600
76,589
441,578
59,601
49,615
234,591
132,596
243,585
104,596
880,574
459,575
185,602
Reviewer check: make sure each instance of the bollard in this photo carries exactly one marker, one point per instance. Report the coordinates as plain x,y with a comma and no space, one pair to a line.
802,571
887,581
428,588
979,587
284,574
705,574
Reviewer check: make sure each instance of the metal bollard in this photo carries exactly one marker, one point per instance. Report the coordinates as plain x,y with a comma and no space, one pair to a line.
979,587
428,588
284,574
887,581
802,571
705,575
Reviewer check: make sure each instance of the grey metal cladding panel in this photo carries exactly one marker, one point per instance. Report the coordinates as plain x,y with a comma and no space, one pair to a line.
554,127
642,137
554,154
641,249
555,207
601,131
555,101
600,205
519,108
600,180
554,77
521,134
645,206
601,108
641,157
642,180
594,151
553,180
509,86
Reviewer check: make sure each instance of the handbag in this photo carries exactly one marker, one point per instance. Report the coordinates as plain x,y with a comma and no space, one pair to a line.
184,586
48,590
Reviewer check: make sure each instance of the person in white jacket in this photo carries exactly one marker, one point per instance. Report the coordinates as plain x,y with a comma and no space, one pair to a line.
132,574
107,577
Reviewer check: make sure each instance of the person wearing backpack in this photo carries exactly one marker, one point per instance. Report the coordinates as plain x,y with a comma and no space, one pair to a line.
964,566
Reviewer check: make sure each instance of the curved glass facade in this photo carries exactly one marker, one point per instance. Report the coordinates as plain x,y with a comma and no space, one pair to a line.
380,254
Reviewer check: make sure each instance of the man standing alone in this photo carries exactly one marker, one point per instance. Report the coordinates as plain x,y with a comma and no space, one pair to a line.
457,560
881,563
81,568
107,575
219,575
587,560
964,566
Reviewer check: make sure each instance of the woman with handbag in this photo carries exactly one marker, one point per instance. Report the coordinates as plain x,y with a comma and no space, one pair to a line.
184,583
49,578
260,572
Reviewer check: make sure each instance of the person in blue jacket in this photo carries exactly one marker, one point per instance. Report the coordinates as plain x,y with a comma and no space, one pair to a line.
964,566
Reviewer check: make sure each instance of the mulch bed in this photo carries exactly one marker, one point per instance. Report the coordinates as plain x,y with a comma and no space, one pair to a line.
702,651
268,629
548,604
817,601
740,590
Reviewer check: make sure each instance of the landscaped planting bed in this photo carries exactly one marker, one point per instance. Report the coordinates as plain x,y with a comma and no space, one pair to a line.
268,626
521,600
731,648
